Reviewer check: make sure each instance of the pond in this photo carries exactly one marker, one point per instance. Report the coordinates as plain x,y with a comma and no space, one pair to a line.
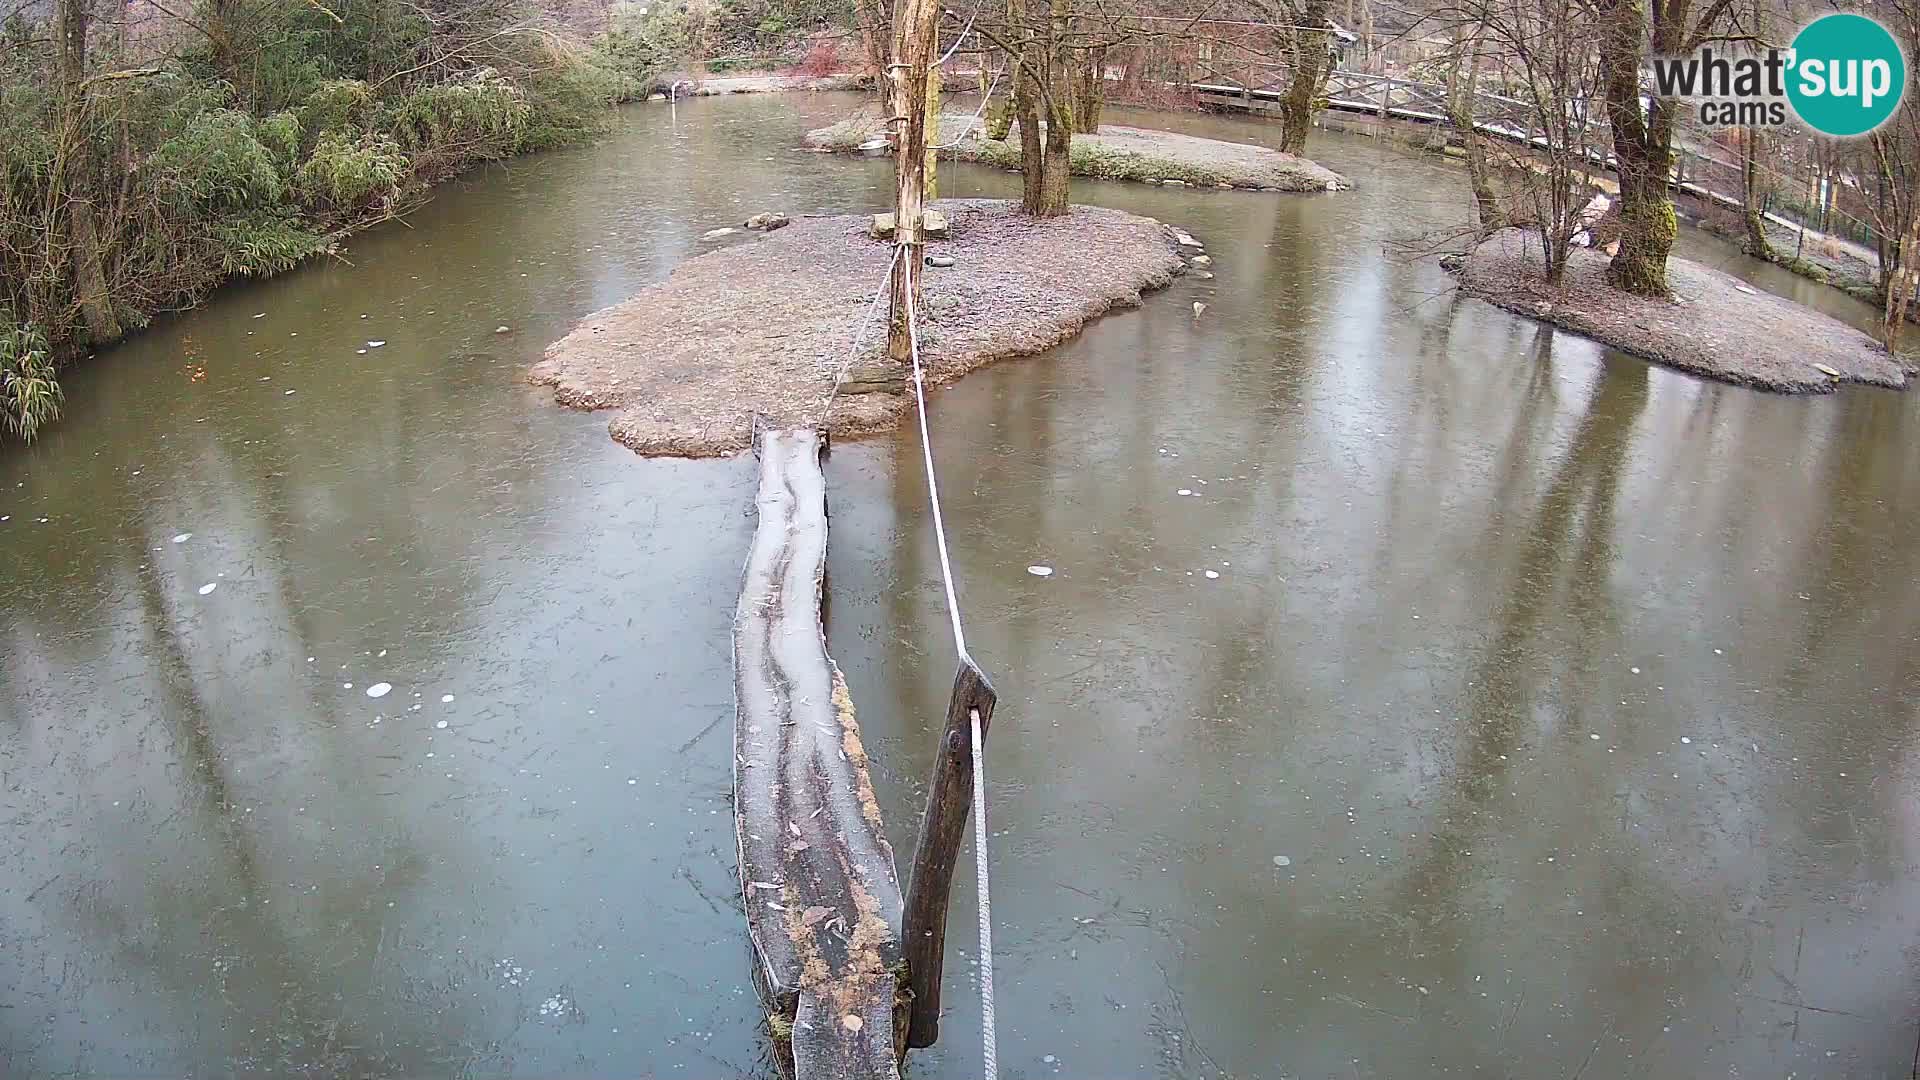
1495,705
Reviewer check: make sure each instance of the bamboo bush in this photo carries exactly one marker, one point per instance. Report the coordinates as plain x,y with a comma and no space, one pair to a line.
136,177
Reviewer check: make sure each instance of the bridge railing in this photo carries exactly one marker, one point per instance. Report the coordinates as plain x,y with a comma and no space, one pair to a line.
1495,115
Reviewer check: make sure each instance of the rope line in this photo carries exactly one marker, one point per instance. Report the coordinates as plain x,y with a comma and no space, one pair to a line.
859,331
968,130
990,1050
933,485
989,1042
964,31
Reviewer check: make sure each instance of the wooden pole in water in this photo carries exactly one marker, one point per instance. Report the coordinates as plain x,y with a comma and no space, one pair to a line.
915,23
923,930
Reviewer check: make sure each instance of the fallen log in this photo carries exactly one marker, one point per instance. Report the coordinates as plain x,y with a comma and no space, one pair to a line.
816,871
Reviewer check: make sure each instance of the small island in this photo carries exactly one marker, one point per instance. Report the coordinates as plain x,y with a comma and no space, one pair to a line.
693,362
1714,324
1114,153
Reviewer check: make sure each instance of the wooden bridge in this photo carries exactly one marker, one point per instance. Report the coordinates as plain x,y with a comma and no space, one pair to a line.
1510,120
1383,97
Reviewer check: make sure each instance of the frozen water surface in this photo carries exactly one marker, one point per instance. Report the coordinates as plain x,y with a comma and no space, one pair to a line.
1555,516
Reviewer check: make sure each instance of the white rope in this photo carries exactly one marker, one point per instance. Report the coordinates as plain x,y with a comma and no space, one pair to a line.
964,31
933,486
968,130
859,331
989,1042
990,1050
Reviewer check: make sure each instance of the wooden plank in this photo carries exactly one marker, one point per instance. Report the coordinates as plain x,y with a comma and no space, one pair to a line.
816,872
949,797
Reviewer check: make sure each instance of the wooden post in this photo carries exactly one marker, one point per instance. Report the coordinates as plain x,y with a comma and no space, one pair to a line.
949,795
914,25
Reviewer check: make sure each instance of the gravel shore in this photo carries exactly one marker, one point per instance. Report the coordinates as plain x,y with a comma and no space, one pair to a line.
1715,325
763,327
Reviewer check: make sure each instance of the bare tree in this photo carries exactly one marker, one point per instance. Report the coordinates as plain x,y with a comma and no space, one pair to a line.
1753,194
1056,54
82,179
1642,126
1894,156
1540,50
1463,91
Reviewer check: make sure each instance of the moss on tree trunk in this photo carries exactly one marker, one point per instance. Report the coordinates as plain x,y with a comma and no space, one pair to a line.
1054,171
1461,95
1642,150
1310,63
1647,231
1752,197
1090,91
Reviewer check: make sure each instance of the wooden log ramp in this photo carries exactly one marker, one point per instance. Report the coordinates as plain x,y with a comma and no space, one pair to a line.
816,872
844,1000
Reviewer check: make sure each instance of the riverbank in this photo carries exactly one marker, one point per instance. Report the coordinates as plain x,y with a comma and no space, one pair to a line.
763,328
1115,153
1716,325
268,193
720,86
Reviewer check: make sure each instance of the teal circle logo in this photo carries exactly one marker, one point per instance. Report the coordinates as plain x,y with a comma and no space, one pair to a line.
1847,75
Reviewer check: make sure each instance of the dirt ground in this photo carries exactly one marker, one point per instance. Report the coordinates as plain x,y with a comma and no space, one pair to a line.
1116,153
764,325
1715,325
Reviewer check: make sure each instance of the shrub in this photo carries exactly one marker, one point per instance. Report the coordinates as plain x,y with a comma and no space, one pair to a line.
350,174
822,58
280,134
217,166
27,147
478,119
29,395
340,105
569,100
265,245
641,44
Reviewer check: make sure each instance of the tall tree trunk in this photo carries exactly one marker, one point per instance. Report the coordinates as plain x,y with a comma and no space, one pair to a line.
1059,76
82,181
1461,99
1752,198
1054,174
1027,72
1310,61
1900,286
220,19
1090,91
1897,212
1642,150
914,30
